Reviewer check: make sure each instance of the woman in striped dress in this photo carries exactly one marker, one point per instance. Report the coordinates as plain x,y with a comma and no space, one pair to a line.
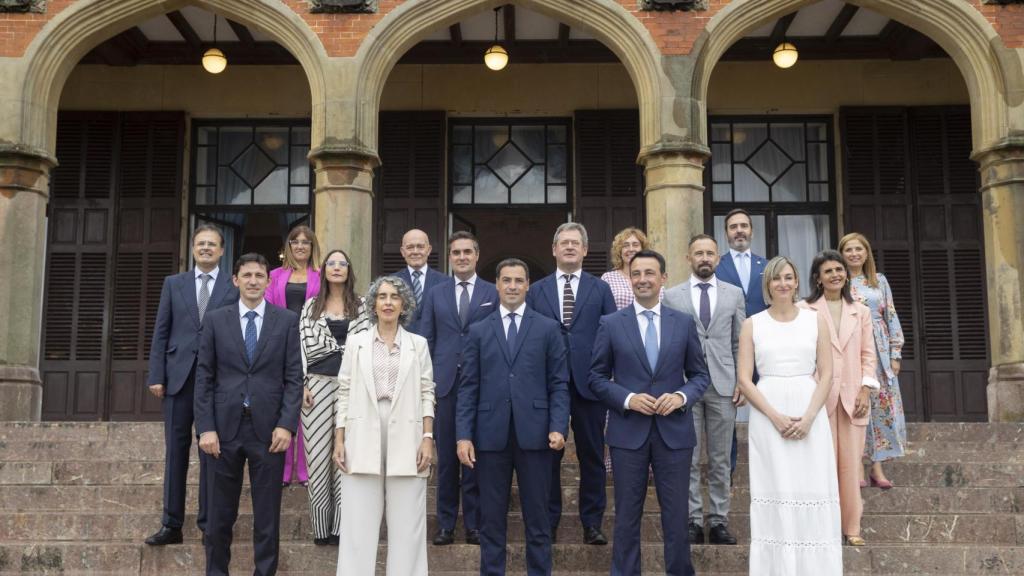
325,323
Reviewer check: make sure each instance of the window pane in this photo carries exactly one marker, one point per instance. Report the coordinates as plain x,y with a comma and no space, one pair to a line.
206,165
462,135
817,162
722,192
769,162
746,138
721,162
274,141
300,195
556,164
233,139
720,133
488,140
530,189
253,166
231,189
530,140
462,195
274,188
792,186
462,164
790,138
748,186
207,135
206,195
300,136
556,134
509,164
800,238
757,245
818,192
556,195
817,131
489,189
300,165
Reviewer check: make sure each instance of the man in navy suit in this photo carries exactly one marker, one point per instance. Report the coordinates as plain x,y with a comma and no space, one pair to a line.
184,302
248,395
420,277
743,269
577,300
448,312
648,349
512,413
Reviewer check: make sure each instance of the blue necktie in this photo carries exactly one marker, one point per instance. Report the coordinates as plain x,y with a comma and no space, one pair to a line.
417,286
705,304
250,335
512,333
651,340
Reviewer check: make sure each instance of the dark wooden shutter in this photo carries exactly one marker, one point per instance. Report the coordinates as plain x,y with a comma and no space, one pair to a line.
149,226
79,264
113,237
911,188
409,185
609,183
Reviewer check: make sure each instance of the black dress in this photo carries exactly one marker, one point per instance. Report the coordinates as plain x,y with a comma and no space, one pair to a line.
295,296
330,365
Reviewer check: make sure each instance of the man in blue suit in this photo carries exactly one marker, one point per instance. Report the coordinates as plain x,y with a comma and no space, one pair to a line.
743,269
512,413
448,312
654,355
577,300
420,277
184,302
248,395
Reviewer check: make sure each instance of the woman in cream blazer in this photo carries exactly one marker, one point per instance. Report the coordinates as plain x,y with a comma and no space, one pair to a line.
383,441
853,377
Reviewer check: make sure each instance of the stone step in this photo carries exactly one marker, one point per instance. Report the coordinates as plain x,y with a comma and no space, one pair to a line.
148,499
1006,529
124,559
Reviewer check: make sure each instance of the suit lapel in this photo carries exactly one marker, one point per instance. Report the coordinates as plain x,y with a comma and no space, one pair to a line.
848,325
553,297
220,289
524,328
453,301
498,326
633,334
719,307
667,332
270,317
728,272
366,360
582,293
236,334
188,292
821,306
405,359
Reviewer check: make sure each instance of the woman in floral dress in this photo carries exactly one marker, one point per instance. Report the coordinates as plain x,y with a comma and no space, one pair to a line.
887,430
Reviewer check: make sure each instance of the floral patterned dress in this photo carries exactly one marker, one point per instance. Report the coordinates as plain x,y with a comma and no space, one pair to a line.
887,429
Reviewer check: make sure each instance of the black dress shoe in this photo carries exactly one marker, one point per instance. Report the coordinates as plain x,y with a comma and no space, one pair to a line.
335,539
719,534
696,533
473,537
444,537
592,535
165,536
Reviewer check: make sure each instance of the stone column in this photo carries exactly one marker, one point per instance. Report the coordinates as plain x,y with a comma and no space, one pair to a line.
675,204
344,205
1002,189
24,190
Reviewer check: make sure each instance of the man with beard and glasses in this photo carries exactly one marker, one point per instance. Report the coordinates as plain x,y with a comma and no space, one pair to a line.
718,308
744,269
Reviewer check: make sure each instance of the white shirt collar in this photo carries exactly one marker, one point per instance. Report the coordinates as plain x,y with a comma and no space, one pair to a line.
398,337
639,309
694,280
736,254
213,273
471,281
260,309
561,273
423,271
519,311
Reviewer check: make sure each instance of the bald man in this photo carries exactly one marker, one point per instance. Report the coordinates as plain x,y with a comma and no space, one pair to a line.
420,277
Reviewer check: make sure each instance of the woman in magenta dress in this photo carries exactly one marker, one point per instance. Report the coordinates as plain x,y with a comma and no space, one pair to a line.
290,286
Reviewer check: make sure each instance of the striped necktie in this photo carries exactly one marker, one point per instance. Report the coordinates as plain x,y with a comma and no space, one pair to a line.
417,286
568,300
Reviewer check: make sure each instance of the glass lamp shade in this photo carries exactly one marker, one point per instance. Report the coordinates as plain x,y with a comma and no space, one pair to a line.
785,55
496,57
214,61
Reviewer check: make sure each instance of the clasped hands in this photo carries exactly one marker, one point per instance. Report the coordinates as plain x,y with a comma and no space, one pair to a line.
467,452
792,427
209,442
648,405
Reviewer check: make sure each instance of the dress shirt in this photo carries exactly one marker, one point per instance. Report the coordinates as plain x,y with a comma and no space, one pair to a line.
642,321
199,281
741,261
469,287
243,310
574,284
519,316
695,292
386,361
423,274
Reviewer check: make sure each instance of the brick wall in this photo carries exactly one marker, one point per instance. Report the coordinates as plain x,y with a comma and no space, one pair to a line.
673,32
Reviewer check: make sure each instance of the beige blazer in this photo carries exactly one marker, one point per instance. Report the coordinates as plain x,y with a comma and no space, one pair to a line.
853,355
356,405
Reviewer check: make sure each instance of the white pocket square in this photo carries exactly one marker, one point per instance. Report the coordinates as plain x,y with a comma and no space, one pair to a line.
486,304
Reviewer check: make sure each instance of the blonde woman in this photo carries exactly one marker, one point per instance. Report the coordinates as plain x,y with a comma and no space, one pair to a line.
625,245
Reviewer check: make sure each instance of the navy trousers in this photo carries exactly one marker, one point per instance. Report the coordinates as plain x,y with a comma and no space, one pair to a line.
449,469
178,420
587,420
224,492
630,468
494,473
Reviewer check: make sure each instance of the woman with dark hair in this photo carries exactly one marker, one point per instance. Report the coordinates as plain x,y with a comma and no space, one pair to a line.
384,440
290,286
887,430
325,324
853,378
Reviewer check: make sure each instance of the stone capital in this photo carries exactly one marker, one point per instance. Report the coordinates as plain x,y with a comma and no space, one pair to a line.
24,169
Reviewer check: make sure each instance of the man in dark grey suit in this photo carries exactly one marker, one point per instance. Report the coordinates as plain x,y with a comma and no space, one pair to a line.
248,395
719,310
184,301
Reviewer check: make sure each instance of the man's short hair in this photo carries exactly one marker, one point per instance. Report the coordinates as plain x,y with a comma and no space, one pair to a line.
736,211
568,227
697,237
508,263
249,258
463,235
208,228
649,254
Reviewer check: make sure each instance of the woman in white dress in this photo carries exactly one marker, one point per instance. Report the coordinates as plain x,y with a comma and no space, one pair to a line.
794,492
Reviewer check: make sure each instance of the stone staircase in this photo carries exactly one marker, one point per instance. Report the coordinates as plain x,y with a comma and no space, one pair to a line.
79,498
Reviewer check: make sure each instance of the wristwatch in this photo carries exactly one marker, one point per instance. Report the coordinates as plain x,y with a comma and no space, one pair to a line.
428,435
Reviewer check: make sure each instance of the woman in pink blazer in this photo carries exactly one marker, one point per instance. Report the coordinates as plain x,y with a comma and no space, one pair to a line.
290,286
853,377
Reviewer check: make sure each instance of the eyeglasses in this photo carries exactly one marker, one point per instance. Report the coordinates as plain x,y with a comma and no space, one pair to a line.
332,263
299,243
